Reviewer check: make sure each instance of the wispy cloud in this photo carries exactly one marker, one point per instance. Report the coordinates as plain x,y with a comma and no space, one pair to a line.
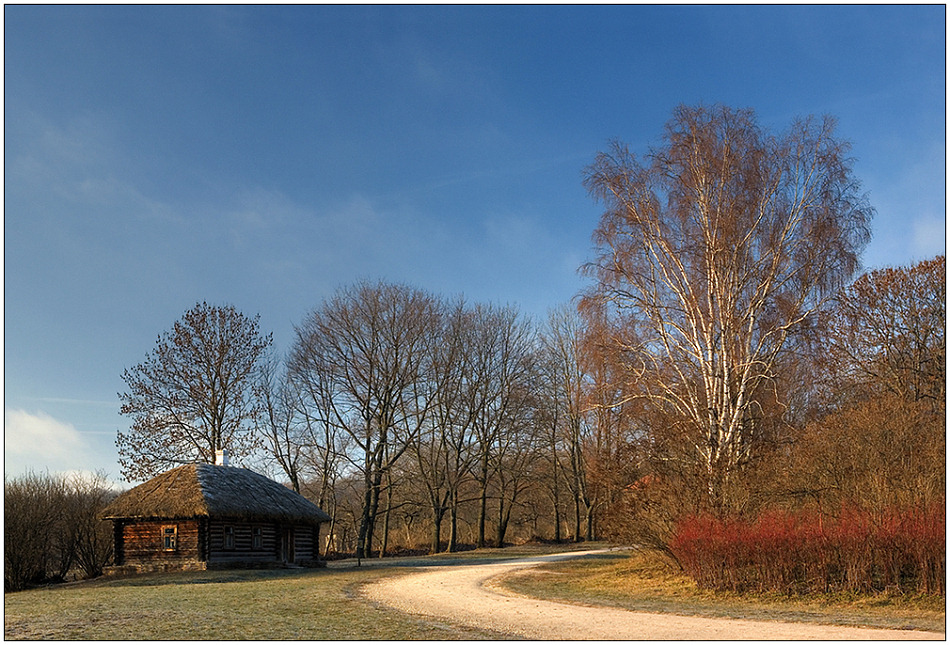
90,402
76,163
37,440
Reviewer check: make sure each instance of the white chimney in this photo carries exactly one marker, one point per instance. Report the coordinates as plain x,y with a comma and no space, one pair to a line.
221,457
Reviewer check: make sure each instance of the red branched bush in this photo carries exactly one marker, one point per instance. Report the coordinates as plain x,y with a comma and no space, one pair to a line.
899,550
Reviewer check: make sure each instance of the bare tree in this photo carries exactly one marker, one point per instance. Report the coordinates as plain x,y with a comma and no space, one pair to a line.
325,443
442,450
32,507
194,394
713,251
371,344
548,418
502,369
880,437
516,451
570,390
286,436
888,332
52,526
94,540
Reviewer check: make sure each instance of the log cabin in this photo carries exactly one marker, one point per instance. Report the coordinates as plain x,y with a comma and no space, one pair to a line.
211,516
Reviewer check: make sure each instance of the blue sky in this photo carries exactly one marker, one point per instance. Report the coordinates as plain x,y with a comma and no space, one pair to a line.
264,156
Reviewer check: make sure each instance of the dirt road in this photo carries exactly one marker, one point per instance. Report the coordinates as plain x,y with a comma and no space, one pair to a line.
463,594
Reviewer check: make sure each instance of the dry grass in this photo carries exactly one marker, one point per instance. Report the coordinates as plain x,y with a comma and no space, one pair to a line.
322,604
642,582
232,605
295,604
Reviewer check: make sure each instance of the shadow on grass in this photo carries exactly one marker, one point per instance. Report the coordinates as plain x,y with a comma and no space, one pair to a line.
464,558
202,577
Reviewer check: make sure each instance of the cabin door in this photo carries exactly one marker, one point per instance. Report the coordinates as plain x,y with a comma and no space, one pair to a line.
287,548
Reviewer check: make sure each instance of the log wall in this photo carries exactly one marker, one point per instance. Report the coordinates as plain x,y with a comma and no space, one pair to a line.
243,549
305,543
201,542
143,543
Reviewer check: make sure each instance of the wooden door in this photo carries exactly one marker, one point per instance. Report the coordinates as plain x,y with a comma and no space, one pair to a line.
287,547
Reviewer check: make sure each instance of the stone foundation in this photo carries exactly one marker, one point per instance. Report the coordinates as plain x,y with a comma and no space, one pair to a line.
132,569
165,567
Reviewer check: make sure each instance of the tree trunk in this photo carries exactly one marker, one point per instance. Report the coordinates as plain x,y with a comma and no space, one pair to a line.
364,546
591,533
504,515
577,515
366,520
330,532
437,515
453,523
389,505
483,502
555,490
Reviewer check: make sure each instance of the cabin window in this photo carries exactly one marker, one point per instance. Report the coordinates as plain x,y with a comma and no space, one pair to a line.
228,537
170,537
258,538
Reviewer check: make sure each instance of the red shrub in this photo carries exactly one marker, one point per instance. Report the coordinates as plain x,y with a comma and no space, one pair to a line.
901,549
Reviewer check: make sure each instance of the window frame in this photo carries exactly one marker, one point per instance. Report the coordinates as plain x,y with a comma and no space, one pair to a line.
229,538
169,537
257,538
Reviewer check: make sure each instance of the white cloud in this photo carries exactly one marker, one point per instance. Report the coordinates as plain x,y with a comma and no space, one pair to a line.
38,441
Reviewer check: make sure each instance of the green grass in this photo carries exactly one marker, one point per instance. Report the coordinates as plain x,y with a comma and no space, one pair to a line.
272,605
641,582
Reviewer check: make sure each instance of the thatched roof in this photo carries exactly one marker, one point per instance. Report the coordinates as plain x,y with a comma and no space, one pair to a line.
205,490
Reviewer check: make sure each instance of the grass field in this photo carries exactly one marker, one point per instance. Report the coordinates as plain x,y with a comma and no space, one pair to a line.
270,605
641,582
322,604
278,604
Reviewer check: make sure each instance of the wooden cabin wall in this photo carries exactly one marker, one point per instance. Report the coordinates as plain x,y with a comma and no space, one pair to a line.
243,549
143,542
306,543
202,540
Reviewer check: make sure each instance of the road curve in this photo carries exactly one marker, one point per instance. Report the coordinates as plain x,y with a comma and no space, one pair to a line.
459,594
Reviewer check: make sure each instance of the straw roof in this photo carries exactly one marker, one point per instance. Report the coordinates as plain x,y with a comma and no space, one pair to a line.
206,490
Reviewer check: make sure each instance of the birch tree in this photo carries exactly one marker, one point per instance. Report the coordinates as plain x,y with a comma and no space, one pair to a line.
716,247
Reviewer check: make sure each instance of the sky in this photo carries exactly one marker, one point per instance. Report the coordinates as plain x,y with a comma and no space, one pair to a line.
156,157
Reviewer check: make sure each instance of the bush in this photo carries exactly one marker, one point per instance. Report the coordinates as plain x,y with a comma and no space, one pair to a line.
899,550
51,526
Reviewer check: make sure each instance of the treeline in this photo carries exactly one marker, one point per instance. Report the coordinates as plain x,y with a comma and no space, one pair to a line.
416,421
52,530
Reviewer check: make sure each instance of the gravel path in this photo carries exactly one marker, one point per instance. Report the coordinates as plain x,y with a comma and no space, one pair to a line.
463,594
